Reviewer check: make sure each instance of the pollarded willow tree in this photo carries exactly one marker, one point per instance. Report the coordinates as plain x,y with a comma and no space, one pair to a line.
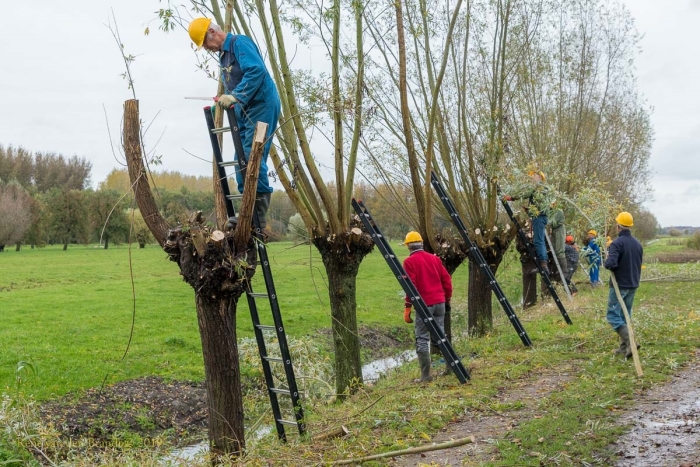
451,83
328,102
470,93
577,110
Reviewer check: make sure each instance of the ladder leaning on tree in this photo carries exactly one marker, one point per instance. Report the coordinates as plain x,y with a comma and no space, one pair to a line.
422,311
531,253
260,329
479,260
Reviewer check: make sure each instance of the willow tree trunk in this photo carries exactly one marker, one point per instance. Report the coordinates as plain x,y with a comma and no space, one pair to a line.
480,309
480,316
217,329
342,255
217,272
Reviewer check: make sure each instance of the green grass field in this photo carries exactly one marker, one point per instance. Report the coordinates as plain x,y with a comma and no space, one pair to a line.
69,313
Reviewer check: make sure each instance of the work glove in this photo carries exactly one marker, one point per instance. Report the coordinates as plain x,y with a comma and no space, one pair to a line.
507,198
448,307
225,101
231,223
407,315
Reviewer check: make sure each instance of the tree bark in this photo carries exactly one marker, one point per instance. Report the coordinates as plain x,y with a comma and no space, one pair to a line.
214,270
342,257
480,313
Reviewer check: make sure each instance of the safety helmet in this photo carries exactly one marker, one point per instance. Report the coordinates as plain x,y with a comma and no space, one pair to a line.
625,219
538,172
198,30
569,239
413,237
593,232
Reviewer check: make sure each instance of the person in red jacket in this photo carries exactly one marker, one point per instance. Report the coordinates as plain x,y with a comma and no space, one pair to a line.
434,285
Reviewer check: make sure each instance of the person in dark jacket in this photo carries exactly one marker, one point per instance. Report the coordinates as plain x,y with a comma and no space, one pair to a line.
625,262
556,221
434,285
533,189
571,252
248,83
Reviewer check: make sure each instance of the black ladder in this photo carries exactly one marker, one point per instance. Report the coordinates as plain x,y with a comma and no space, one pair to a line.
259,328
480,260
422,310
532,254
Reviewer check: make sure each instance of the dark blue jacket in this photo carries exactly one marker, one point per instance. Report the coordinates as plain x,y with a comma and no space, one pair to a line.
625,260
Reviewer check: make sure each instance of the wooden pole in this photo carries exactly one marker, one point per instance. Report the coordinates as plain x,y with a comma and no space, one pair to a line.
403,452
628,318
556,262
245,215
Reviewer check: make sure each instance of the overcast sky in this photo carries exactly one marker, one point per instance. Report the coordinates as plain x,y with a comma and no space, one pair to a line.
61,88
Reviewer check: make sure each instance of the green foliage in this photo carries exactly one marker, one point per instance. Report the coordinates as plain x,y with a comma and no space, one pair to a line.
675,232
694,241
576,388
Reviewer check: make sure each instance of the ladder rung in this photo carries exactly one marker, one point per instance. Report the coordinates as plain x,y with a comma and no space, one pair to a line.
235,196
264,327
287,422
281,391
258,295
228,164
274,359
224,129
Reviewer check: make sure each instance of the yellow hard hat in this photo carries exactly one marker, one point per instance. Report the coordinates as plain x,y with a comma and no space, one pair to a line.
538,172
413,237
593,232
198,30
625,219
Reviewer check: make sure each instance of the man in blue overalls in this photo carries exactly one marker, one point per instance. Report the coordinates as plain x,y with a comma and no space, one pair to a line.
247,83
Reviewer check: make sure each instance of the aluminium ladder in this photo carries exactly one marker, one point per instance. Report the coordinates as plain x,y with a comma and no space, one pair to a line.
479,259
422,311
271,294
531,252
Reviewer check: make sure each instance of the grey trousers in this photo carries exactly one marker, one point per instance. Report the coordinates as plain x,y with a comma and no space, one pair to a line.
422,333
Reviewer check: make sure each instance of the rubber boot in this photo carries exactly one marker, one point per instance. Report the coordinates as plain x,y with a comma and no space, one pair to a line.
622,350
625,337
424,362
543,265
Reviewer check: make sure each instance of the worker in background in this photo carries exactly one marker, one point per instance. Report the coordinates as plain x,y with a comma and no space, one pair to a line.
536,193
248,84
556,221
625,262
592,252
571,252
434,285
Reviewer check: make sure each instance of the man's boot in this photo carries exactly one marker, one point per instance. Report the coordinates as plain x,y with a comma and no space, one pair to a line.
625,337
622,331
424,362
543,265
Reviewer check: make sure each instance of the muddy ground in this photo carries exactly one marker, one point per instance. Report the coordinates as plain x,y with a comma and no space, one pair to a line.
150,407
664,420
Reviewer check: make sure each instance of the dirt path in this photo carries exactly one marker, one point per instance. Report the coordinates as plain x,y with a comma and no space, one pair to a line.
665,424
664,420
487,425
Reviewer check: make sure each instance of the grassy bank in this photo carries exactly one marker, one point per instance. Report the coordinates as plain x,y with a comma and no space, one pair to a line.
69,313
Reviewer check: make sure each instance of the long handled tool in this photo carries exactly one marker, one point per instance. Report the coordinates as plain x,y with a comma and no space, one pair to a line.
556,262
628,318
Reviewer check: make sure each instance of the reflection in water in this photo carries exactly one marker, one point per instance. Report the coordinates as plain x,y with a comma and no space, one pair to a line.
372,371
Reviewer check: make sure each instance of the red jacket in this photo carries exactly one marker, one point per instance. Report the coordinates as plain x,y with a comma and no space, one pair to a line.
430,277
